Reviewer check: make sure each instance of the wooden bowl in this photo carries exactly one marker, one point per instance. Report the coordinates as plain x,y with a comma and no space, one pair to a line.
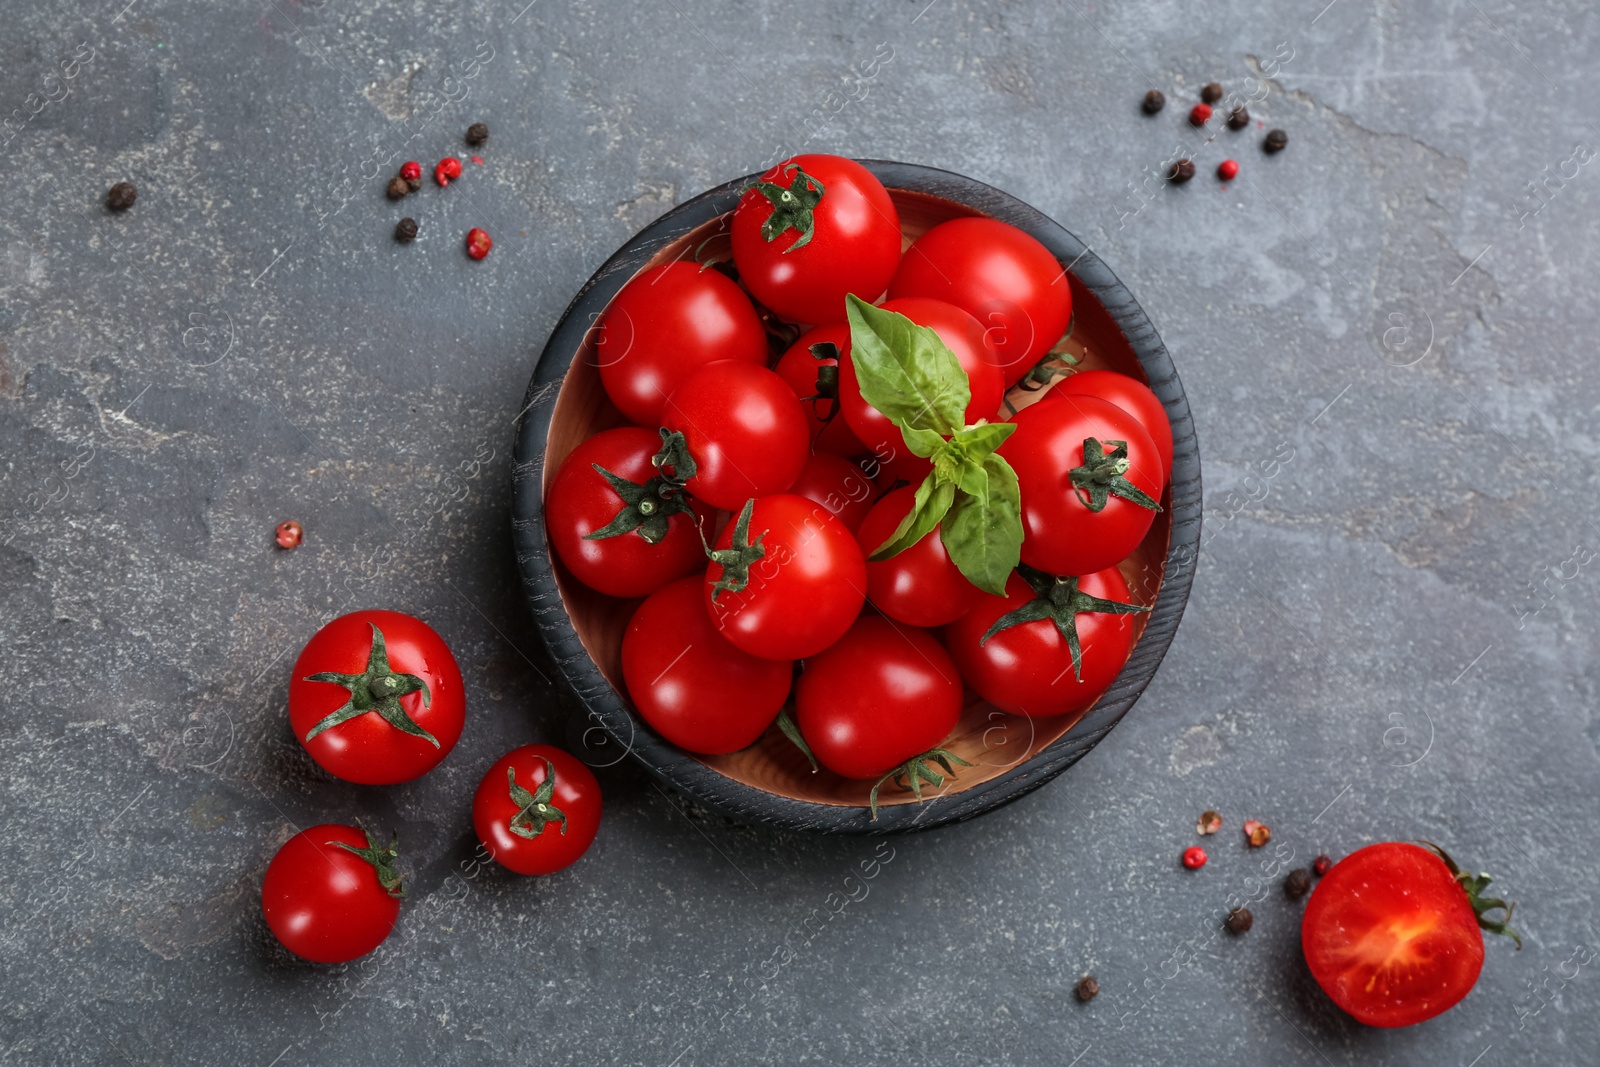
771,782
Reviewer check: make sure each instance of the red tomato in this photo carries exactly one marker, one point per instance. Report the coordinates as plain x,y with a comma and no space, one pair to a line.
331,894
689,683
537,809
836,234
883,694
1391,936
745,429
804,591
1000,276
838,485
666,324
582,501
962,335
376,698
1062,534
1129,394
808,376
1026,669
919,586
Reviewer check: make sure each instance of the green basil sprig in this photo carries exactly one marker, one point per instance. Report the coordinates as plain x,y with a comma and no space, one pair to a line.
913,378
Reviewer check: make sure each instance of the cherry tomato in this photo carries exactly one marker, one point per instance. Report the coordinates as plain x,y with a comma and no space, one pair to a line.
1129,394
745,430
537,809
1000,276
818,380
1062,533
376,698
803,592
884,694
833,231
331,894
838,485
689,683
963,336
919,586
1026,669
666,324
1391,935
581,501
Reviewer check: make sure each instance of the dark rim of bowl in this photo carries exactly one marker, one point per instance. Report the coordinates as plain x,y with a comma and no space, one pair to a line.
684,772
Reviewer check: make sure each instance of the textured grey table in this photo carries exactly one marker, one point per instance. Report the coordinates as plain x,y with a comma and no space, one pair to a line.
1386,333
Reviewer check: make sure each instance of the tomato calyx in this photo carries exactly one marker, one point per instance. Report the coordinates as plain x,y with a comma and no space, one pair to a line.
535,811
1061,601
738,556
1050,367
792,207
786,724
378,688
910,775
1473,886
382,858
1104,475
910,376
647,507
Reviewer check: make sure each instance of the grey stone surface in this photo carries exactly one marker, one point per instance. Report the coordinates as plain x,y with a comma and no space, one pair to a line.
1390,637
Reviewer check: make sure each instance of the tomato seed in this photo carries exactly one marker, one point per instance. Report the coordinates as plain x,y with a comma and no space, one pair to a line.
1194,857
289,534
478,243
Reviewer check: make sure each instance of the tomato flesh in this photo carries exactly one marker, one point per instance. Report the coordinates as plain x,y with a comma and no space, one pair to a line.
1389,935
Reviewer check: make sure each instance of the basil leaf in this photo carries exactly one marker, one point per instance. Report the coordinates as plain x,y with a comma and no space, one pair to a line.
921,442
980,440
984,537
905,371
932,501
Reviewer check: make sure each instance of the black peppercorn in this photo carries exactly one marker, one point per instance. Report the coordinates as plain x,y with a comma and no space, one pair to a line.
1238,119
1298,884
1088,988
120,197
413,184
1181,171
1276,141
1154,101
1211,93
405,229
398,187
477,133
1239,921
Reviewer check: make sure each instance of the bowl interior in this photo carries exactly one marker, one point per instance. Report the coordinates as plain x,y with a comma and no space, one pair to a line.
994,742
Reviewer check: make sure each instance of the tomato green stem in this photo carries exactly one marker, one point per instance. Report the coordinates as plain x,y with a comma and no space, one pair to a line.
792,207
1103,475
378,688
1061,601
737,558
535,809
913,772
382,858
1473,886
